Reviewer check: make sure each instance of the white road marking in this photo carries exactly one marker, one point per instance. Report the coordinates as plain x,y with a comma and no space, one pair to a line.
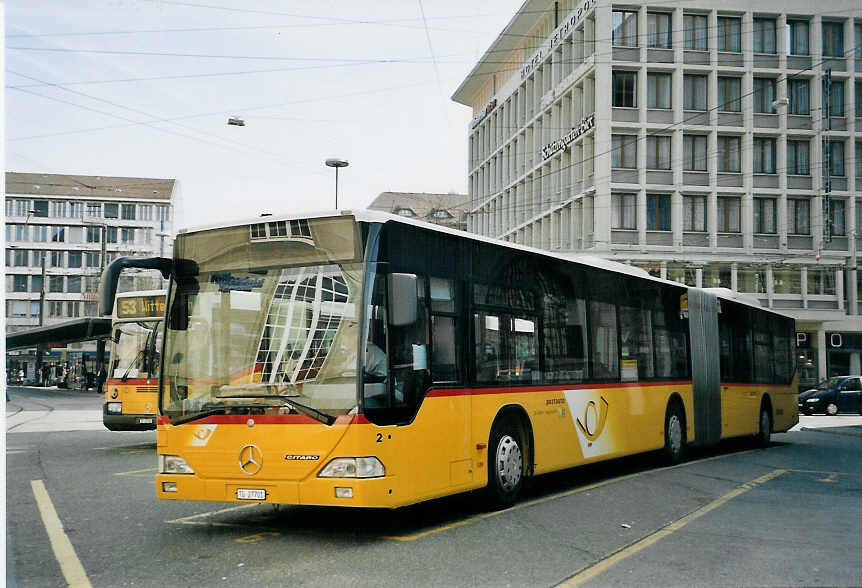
70,565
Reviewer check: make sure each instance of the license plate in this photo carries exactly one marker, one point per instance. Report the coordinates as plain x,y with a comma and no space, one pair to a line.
145,421
250,494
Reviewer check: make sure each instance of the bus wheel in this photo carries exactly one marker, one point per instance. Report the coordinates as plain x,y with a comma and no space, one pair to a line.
674,434
765,431
505,464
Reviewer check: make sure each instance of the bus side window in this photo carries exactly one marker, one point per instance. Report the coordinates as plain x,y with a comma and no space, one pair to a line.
488,347
445,304
408,347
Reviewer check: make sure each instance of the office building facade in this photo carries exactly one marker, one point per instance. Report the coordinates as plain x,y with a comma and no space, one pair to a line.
715,145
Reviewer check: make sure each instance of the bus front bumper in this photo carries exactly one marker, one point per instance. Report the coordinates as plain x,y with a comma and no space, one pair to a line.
127,422
357,492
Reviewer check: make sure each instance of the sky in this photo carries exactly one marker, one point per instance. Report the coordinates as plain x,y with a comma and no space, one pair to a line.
144,88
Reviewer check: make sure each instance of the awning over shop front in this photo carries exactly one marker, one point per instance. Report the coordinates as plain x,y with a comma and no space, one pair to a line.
61,334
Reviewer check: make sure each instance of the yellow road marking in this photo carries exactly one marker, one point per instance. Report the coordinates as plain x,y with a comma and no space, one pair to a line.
70,565
594,570
257,537
133,472
565,493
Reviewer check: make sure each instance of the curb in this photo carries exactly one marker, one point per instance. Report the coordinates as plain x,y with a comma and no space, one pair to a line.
854,431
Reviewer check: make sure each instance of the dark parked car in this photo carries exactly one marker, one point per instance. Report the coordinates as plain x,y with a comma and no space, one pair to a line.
837,394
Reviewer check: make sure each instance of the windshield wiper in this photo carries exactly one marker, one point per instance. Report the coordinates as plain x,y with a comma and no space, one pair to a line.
214,411
324,418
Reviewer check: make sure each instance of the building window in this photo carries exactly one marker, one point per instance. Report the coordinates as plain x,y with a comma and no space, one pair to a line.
764,95
94,210
625,28
92,259
764,215
127,212
127,236
859,164
22,232
20,257
405,212
40,233
797,157
55,284
624,151
764,35
728,214
74,309
694,214
36,284
146,211
76,209
112,210
658,212
658,30
833,39
695,31
858,91
19,283
658,90
22,208
73,284
729,34
658,152
797,37
833,151
837,102
624,208
74,259
798,216
58,209
55,308
837,216
694,153
37,257
94,234
694,92
728,154
798,95
764,155
56,259
625,89
58,234
111,234
821,281
857,43
40,208
729,92
163,213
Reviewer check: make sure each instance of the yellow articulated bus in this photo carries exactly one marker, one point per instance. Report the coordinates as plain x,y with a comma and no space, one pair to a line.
364,359
132,384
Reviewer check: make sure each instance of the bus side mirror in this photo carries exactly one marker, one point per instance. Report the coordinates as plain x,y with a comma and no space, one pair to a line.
403,299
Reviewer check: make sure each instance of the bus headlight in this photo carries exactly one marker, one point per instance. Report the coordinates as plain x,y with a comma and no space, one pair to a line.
353,467
115,407
174,464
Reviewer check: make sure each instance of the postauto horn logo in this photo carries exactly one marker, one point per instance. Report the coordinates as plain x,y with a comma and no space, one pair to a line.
589,411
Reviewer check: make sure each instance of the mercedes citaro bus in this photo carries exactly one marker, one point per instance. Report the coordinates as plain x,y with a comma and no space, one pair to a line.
365,359
131,386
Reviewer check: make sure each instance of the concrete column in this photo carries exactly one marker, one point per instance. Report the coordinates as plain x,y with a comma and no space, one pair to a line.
821,353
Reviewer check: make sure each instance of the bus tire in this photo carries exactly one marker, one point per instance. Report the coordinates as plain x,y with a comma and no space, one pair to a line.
505,463
764,431
674,433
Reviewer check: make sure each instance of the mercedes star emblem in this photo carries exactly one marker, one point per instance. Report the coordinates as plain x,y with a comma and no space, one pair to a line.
250,459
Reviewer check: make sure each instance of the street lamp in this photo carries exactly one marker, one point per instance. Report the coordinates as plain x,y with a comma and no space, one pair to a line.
336,163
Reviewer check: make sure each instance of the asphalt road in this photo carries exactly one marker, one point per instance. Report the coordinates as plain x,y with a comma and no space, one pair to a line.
789,514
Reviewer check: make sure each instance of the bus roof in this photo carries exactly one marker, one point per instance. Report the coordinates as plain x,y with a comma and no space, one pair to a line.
376,216
141,293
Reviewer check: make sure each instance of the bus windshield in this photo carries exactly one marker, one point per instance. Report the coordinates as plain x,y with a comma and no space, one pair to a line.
263,320
136,348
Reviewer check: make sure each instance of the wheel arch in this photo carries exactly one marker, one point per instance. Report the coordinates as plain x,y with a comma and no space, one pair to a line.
675,399
518,414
